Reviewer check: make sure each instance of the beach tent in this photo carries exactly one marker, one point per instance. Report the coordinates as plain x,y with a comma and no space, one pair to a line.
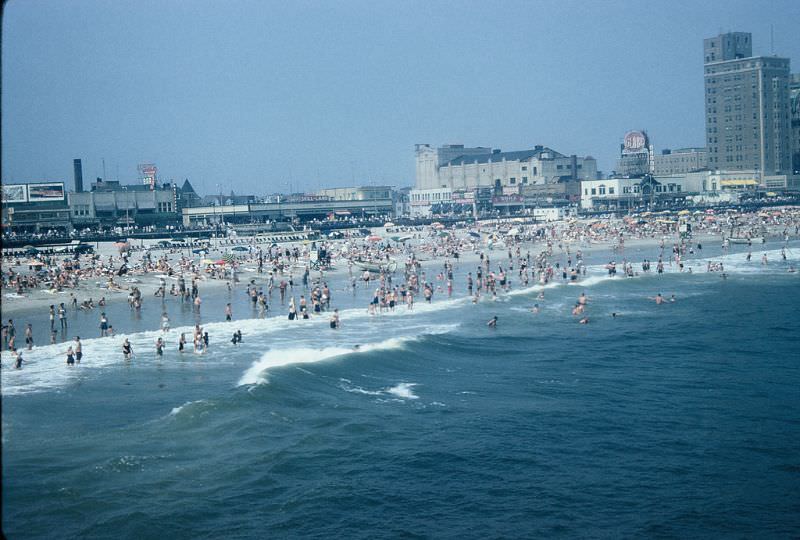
684,213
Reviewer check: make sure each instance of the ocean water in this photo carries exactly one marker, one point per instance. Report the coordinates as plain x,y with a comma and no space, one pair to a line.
678,420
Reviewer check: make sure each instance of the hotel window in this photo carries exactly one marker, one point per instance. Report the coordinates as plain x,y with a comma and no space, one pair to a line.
602,189
524,179
610,190
524,168
513,180
594,191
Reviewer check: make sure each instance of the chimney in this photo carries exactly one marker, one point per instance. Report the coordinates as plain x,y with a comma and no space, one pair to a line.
77,175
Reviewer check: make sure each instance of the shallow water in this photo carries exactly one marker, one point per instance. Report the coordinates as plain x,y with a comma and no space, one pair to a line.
673,420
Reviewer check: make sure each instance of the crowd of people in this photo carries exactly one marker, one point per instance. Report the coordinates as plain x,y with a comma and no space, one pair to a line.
503,251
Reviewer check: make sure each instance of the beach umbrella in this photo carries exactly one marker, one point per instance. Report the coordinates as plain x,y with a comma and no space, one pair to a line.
228,258
206,261
219,262
388,224
240,248
474,234
443,234
684,213
374,238
437,225
513,231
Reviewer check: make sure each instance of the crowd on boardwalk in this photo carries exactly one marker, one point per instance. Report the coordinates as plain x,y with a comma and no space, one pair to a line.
505,255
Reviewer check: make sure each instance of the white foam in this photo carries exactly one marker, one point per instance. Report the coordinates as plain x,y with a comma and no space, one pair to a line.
403,390
175,411
256,373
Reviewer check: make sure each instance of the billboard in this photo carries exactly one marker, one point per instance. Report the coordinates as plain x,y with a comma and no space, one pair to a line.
635,142
51,191
15,193
148,173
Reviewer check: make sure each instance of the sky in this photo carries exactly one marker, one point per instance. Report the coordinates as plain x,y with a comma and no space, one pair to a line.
263,97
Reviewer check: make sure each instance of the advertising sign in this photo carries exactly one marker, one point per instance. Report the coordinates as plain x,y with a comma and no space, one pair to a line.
14,193
52,191
148,172
635,142
507,199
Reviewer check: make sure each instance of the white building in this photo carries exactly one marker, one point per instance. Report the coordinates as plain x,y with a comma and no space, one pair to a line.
421,200
459,168
627,192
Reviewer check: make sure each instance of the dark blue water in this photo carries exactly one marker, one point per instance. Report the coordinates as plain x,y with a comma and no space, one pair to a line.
678,420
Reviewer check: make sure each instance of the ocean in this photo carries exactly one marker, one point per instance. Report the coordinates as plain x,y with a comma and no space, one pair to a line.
673,420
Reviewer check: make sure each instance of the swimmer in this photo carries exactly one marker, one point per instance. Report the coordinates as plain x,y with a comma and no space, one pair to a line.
535,308
492,322
658,299
335,322
70,357
159,347
585,320
78,349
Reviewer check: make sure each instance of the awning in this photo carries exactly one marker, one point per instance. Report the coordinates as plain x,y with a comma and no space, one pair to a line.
748,182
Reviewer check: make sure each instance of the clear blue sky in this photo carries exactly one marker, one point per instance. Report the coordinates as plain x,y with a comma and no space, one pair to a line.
255,95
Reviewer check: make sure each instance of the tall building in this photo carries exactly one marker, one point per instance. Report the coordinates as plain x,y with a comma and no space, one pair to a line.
794,94
747,106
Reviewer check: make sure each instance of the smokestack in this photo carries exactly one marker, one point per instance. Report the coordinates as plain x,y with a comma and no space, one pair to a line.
574,166
78,175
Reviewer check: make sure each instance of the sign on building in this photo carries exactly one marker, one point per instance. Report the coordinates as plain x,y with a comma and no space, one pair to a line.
635,142
15,193
52,191
147,173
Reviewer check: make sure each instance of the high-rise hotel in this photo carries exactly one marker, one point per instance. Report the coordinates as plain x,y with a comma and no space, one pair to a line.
747,107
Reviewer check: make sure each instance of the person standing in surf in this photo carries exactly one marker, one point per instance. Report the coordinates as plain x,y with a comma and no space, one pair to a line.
335,322
127,350
78,349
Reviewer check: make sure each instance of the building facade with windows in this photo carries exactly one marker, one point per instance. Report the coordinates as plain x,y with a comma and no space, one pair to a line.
627,192
682,160
459,168
747,107
794,96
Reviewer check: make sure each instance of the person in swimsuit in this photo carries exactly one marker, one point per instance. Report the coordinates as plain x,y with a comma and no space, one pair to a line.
182,342
127,350
335,319
17,358
70,357
159,347
78,349
29,336
492,322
